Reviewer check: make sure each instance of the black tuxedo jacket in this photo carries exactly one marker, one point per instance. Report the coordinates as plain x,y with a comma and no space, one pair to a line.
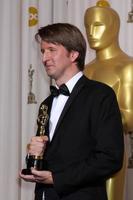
87,146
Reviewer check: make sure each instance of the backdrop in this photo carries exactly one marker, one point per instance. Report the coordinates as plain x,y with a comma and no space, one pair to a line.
23,81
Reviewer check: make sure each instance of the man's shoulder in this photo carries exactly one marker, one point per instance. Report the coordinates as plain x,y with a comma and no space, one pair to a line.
98,87
46,101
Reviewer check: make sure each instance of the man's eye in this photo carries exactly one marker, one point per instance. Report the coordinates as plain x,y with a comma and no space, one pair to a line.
52,49
42,51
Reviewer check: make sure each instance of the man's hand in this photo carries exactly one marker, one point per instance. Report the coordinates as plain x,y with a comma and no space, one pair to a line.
38,176
37,145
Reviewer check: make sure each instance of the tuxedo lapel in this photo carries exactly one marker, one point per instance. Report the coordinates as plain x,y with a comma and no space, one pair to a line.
77,88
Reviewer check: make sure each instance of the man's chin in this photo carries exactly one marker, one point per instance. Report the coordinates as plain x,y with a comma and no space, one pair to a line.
50,75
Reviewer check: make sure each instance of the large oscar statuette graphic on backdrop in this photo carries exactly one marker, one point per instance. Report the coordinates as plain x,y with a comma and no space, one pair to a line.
130,159
37,161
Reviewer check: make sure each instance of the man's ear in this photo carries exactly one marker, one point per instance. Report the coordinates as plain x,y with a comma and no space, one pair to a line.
74,55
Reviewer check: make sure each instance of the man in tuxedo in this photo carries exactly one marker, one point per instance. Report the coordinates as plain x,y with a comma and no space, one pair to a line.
84,142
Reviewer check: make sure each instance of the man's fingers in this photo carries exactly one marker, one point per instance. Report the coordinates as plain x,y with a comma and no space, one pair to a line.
27,178
39,138
36,172
40,175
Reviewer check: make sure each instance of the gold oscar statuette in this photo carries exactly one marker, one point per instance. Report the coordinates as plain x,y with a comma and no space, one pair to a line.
36,161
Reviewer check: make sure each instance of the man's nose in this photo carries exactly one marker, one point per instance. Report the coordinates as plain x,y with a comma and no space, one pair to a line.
45,57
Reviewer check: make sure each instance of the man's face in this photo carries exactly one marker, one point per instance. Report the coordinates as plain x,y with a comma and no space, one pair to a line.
99,28
56,59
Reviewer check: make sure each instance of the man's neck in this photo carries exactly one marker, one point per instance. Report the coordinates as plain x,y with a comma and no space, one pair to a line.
66,78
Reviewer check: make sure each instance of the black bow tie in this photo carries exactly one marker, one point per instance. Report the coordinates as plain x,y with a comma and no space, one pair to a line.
62,90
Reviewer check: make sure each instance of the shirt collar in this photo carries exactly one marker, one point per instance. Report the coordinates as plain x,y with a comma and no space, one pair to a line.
71,83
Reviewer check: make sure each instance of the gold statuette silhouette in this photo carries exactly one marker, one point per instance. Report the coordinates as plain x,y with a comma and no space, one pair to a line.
37,161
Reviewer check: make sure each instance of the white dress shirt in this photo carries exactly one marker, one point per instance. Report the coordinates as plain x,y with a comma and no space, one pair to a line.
59,103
